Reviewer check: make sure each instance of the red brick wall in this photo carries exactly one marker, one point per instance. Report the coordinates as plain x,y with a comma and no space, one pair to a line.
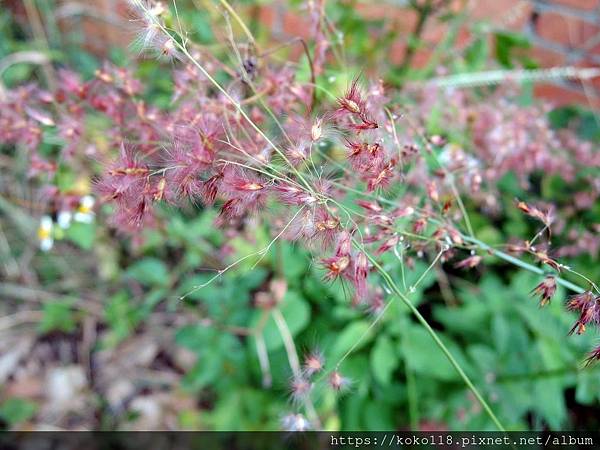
563,32
567,32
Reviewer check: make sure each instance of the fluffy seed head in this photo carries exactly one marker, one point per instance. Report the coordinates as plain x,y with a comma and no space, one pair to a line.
337,381
313,363
469,263
300,388
589,308
545,290
316,131
593,357
335,266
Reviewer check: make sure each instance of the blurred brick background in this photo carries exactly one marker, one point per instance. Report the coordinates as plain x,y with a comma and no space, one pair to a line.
563,32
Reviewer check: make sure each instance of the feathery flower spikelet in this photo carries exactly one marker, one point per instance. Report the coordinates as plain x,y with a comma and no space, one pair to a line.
290,194
469,263
326,225
244,192
359,277
314,362
546,217
300,388
389,244
593,356
588,306
336,267
151,33
298,152
338,382
313,130
545,289
146,14
352,102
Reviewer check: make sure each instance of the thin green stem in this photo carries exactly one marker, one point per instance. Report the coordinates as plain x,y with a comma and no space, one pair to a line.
426,271
239,20
394,288
480,244
413,407
522,264
292,354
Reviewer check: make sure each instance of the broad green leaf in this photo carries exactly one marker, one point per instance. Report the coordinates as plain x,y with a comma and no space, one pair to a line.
424,356
384,359
296,313
195,337
294,261
17,410
550,402
57,316
477,53
501,332
378,416
121,318
149,271
588,388
206,371
355,334
82,234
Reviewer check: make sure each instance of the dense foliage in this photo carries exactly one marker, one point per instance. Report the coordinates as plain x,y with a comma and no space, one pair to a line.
297,245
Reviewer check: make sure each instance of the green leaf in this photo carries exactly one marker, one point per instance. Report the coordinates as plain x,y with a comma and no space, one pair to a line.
424,356
149,271
352,410
550,402
121,318
588,388
82,234
384,360
506,44
64,178
57,316
202,28
378,416
477,53
17,410
195,337
17,73
356,333
294,261
296,313
252,279
206,371
220,357
561,117
588,126
501,332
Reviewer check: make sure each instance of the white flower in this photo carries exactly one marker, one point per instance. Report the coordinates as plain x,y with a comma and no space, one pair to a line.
85,213
44,233
295,422
64,219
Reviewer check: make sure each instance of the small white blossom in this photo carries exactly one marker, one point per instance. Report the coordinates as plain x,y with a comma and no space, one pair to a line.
44,233
85,213
295,422
64,219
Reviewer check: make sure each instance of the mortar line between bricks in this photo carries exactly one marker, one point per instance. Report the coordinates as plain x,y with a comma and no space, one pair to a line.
587,16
